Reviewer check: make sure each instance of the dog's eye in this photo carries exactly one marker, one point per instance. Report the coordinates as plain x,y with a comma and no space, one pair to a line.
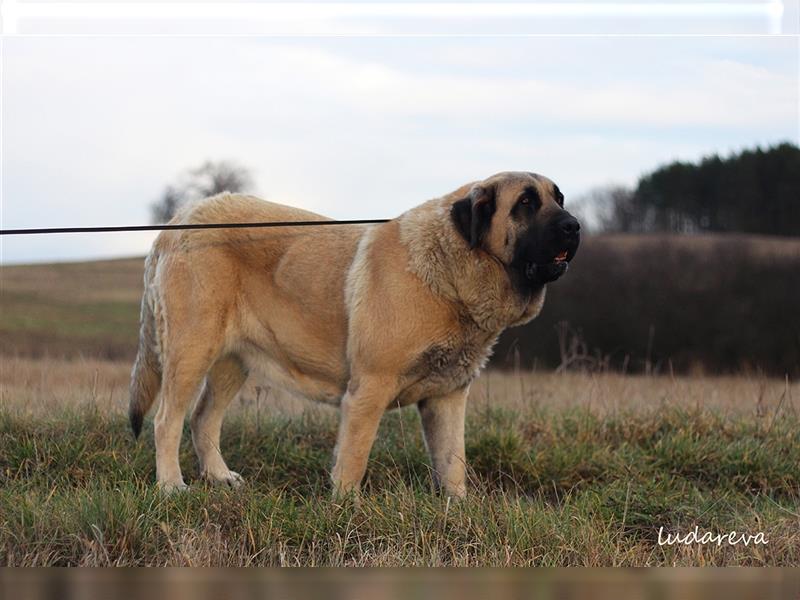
527,202
559,196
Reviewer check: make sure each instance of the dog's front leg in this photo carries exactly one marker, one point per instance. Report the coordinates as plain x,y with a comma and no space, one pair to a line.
443,424
361,411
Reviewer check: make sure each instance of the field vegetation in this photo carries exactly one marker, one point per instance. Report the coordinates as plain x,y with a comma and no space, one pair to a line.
581,466
570,469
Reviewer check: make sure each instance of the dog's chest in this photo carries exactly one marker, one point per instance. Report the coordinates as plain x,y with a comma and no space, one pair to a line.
447,365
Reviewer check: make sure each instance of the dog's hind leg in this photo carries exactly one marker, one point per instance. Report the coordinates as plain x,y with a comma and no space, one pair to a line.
183,380
224,380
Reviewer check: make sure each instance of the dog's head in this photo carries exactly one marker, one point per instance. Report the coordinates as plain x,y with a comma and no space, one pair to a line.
519,218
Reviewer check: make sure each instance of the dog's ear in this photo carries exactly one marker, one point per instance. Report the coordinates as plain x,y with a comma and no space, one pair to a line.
472,215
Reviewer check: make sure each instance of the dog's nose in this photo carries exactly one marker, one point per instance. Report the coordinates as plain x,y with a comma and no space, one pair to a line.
569,226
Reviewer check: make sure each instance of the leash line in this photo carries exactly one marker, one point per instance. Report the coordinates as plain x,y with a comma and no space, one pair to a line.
167,227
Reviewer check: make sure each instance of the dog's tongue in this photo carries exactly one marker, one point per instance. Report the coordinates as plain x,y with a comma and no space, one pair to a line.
561,257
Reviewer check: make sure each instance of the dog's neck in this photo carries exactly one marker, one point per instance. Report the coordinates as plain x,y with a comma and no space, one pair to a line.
469,278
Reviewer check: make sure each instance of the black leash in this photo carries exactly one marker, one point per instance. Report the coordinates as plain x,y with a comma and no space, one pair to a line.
43,230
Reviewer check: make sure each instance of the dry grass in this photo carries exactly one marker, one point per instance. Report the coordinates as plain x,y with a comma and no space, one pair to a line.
37,387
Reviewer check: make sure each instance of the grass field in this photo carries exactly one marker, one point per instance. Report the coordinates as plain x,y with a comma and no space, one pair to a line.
71,309
565,469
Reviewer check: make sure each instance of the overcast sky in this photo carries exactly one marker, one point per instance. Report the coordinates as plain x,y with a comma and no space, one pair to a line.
94,128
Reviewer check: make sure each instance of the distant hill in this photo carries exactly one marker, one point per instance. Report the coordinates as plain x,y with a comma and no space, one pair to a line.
71,309
715,303
719,303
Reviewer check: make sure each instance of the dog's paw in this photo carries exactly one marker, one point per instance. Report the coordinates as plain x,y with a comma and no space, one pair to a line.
230,479
172,487
346,498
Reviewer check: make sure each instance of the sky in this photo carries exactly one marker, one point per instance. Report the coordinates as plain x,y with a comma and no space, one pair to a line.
362,127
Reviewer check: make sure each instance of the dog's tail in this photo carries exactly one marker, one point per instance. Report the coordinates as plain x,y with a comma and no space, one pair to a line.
146,374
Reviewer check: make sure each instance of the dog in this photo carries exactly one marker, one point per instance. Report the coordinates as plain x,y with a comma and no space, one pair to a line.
364,317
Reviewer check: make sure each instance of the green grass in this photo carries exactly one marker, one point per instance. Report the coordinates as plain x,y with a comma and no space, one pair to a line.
71,309
547,488
33,313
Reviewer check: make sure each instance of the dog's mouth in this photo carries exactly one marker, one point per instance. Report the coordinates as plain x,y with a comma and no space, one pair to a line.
550,270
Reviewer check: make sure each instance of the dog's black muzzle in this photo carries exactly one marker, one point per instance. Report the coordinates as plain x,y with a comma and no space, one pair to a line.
557,246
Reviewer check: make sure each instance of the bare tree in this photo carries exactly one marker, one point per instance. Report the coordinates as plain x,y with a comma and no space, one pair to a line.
164,209
208,179
215,177
617,211
608,208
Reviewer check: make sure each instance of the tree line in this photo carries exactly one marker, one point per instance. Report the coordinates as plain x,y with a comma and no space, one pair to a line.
754,191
